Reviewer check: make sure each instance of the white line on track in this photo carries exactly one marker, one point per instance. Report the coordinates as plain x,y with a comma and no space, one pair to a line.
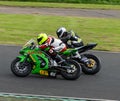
3,94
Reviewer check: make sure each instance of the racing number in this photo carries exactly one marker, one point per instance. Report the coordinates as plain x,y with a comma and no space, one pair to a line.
44,72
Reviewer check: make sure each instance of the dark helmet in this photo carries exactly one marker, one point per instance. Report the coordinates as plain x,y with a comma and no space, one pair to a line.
61,31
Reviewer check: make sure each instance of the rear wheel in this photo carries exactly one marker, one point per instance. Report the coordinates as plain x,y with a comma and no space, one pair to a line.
73,72
20,70
93,66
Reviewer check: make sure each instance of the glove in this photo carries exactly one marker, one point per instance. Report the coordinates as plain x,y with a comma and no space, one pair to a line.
69,42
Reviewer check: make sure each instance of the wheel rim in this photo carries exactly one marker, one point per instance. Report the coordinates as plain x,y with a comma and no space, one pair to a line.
91,64
19,69
72,69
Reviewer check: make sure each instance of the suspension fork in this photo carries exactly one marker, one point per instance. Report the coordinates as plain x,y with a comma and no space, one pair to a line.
25,59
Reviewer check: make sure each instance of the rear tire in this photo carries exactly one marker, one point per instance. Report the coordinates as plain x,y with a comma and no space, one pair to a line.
94,67
74,75
18,71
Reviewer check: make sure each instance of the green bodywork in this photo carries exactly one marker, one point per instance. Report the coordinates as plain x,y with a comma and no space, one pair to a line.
36,56
33,58
69,51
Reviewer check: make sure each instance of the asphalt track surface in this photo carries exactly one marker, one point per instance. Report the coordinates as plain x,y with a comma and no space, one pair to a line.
61,12
104,85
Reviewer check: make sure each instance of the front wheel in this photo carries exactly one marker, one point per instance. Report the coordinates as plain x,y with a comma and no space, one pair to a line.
20,70
93,66
73,72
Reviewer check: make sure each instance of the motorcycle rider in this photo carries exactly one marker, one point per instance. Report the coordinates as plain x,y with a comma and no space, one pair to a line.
56,45
70,39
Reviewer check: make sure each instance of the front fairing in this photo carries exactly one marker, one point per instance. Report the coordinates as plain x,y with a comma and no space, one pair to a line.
28,47
35,56
27,50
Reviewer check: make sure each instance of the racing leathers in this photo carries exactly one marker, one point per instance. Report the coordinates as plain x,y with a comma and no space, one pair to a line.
72,41
56,46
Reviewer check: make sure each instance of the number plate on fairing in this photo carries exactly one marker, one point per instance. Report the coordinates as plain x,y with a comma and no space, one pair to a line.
44,72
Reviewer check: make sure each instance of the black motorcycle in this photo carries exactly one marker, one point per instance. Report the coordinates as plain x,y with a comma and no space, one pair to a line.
89,62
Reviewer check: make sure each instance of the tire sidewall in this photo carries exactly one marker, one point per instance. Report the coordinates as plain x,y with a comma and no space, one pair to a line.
13,68
89,71
78,71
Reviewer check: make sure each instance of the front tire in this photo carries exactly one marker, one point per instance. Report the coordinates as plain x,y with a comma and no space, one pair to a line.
75,74
19,71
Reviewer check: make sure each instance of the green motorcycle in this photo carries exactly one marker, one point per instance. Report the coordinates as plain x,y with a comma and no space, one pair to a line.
35,61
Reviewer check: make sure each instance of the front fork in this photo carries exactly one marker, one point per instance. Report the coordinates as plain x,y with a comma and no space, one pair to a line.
23,60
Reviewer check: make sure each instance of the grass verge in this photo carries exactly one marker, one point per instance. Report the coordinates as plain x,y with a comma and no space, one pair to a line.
58,5
16,29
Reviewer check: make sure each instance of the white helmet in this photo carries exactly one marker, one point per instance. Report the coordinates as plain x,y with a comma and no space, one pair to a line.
60,32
